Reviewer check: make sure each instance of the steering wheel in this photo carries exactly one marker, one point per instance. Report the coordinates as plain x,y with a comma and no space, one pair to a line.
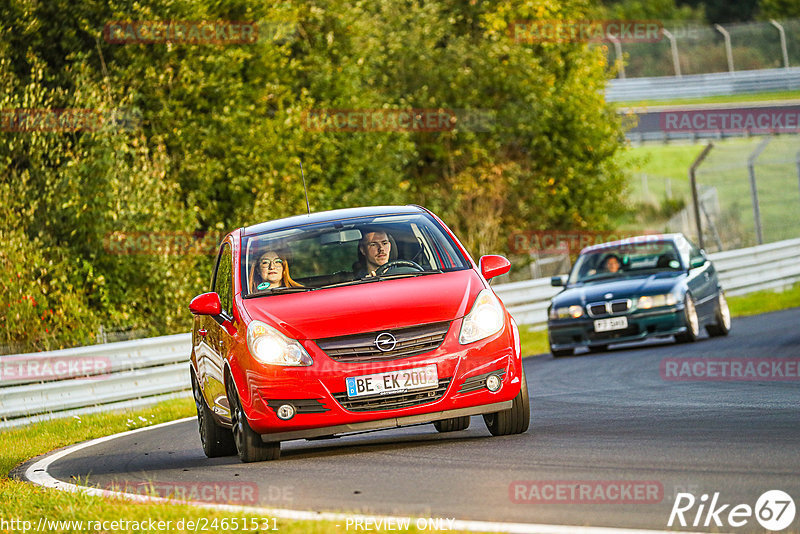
380,271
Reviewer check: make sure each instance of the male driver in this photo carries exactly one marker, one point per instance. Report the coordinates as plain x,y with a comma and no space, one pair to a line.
376,248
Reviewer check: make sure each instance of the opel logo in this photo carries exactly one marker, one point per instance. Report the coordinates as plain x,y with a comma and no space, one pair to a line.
385,342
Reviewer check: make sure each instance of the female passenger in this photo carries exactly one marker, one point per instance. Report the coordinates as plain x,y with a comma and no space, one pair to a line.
269,271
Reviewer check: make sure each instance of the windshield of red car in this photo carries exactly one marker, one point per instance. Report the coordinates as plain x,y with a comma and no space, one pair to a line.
345,252
624,260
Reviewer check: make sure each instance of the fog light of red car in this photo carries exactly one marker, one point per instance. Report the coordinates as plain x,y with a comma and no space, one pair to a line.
285,412
493,383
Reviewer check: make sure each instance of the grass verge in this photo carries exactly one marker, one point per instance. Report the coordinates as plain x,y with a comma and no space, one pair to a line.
59,511
774,96
535,342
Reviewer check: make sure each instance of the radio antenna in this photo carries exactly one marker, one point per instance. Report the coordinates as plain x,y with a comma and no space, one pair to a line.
308,206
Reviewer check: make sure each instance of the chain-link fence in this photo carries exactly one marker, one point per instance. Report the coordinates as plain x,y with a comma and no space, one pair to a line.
687,48
749,193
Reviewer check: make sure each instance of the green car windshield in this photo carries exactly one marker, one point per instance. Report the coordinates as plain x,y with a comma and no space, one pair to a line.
623,260
336,253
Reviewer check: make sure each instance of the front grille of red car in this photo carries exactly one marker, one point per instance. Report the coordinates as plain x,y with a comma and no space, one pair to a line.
392,402
363,347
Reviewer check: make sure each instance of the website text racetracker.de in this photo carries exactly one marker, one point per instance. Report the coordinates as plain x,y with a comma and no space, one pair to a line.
562,31
398,120
67,120
202,524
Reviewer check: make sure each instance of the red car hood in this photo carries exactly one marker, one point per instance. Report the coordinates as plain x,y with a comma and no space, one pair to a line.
369,307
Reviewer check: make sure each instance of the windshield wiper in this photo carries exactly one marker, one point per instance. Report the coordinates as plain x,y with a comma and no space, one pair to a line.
353,282
292,289
597,277
277,290
408,275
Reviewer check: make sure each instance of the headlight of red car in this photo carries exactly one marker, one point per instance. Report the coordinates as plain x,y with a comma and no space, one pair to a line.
269,346
485,318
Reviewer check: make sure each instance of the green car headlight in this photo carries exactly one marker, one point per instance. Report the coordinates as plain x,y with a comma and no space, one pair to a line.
573,312
656,301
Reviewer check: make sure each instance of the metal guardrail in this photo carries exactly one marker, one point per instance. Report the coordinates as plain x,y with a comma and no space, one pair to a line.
69,382
139,372
703,85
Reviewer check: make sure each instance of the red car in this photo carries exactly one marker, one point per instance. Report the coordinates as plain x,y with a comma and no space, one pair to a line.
351,320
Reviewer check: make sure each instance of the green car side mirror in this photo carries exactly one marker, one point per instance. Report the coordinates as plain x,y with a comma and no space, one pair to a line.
697,262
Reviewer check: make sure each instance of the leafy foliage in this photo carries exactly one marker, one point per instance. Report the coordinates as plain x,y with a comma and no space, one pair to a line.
222,129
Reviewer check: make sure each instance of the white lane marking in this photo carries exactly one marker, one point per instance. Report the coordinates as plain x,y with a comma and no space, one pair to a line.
38,474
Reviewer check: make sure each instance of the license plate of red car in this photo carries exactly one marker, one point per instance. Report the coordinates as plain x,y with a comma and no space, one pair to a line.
393,381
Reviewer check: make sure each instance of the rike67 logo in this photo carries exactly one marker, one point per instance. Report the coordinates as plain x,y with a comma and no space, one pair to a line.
774,510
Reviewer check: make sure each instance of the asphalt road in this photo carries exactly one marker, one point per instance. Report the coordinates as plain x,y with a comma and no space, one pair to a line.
608,417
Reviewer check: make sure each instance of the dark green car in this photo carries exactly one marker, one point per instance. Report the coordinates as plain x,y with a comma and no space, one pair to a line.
636,288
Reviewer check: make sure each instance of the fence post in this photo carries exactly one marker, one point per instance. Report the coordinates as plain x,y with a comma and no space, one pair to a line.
618,51
674,47
728,50
751,167
798,167
692,180
783,43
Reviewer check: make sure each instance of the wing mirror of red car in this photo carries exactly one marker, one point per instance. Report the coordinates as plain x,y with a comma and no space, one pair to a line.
492,266
209,304
206,304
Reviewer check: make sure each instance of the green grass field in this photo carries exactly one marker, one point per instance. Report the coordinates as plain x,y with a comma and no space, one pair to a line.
654,168
722,99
